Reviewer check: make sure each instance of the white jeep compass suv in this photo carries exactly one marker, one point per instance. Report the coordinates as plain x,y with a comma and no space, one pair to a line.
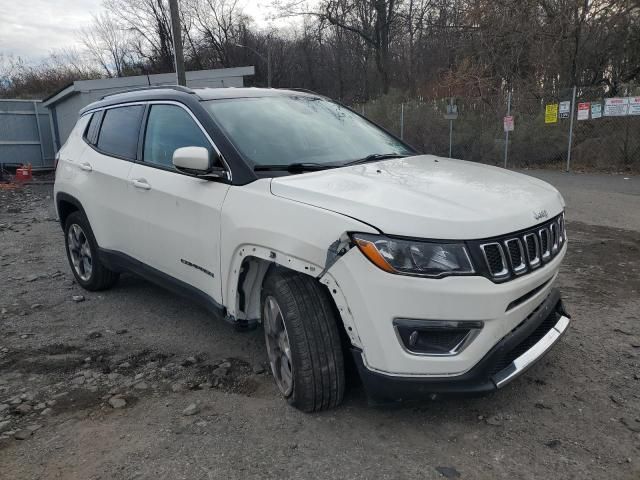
285,208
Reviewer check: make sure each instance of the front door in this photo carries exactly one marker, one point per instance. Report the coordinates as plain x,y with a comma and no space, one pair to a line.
178,224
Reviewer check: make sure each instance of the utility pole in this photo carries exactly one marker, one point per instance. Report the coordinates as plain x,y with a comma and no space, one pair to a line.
451,115
573,108
269,64
506,132
177,42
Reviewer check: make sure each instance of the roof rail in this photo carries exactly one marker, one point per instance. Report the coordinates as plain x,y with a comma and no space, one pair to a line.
303,90
179,88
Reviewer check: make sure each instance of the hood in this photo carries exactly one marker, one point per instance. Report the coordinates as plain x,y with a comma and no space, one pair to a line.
428,197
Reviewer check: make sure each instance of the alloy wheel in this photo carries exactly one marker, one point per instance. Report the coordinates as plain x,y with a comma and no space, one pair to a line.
80,252
278,349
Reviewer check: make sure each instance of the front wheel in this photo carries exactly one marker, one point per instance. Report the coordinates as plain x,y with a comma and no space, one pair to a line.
303,341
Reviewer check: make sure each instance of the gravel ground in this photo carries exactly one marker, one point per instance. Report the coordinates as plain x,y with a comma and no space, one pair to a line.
137,383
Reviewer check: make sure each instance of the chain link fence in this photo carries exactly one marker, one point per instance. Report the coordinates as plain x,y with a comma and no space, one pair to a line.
572,141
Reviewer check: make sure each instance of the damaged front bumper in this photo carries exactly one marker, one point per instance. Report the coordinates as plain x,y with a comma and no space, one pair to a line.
508,359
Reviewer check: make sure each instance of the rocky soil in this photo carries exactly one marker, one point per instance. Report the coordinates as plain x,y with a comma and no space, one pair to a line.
137,383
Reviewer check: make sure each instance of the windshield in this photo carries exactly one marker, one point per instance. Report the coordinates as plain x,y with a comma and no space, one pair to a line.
283,130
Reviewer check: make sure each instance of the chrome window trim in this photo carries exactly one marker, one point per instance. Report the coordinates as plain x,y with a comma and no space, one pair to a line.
522,267
505,270
167,102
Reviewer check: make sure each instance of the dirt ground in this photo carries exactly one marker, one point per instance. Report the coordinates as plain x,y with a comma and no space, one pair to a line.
99,385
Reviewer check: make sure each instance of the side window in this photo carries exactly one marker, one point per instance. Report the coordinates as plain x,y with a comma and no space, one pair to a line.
170,127
91,134
119,132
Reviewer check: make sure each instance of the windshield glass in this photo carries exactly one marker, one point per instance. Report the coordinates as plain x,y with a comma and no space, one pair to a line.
281,130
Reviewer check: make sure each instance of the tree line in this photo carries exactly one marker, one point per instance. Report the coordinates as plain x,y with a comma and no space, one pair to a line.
357,50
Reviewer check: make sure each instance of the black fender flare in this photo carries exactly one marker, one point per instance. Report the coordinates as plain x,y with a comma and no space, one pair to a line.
65,197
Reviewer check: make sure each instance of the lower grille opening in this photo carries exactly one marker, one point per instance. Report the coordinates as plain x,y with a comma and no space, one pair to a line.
526,296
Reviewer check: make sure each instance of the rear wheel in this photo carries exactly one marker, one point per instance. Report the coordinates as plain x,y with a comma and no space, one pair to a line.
303,341
82,252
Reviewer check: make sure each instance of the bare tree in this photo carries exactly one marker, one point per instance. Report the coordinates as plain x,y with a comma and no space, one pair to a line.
219,24
372,20
20,79
149,22
359,49
109,44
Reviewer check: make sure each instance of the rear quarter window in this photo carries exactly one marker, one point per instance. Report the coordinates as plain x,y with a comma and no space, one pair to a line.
119,131
91,132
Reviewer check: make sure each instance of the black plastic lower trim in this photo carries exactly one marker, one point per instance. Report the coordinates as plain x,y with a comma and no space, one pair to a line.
121,262
385,389
64,198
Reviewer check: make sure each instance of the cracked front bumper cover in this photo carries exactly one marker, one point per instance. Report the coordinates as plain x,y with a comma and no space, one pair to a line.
508,359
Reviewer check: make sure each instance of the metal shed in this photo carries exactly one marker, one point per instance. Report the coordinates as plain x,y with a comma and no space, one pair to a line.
65,104
25,134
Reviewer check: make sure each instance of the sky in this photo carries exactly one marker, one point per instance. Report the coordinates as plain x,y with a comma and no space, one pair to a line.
32,28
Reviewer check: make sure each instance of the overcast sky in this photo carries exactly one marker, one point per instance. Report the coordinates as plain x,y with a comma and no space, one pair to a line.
32,28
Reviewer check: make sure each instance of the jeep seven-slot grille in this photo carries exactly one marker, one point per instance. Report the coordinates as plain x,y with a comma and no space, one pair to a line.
532,246
511,255
494,258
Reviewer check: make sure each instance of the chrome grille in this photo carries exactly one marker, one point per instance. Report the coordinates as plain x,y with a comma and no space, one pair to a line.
521,252
553,228
533,249
516,255
494,256
545,242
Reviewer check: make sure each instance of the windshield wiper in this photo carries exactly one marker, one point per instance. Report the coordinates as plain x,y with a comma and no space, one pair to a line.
375,157
314,167
294,167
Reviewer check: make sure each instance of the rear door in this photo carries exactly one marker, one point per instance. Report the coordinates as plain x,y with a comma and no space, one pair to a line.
112,135
177,215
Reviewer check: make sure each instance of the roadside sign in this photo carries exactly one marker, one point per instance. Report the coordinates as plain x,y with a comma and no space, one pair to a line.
508,123
565,108
452,112
583,111
596,110
634,105
551,113
616,107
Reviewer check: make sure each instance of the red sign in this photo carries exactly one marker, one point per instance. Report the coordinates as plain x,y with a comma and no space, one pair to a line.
508,123
583,111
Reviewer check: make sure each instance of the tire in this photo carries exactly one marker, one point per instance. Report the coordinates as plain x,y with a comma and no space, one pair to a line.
79,242
310,322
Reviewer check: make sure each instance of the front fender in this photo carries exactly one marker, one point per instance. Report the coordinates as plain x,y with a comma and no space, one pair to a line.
295,235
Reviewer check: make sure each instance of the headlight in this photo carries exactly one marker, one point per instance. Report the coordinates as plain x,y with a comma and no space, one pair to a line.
411,257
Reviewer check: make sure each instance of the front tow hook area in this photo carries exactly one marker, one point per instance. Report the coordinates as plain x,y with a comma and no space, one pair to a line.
509,358
522,363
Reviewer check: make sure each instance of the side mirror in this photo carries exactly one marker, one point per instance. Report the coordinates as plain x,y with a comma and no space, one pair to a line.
196,161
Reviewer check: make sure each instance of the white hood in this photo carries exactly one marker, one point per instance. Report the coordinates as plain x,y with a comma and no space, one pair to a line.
427,197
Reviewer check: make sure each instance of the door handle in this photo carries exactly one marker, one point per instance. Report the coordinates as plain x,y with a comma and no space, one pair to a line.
141,183
86,167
